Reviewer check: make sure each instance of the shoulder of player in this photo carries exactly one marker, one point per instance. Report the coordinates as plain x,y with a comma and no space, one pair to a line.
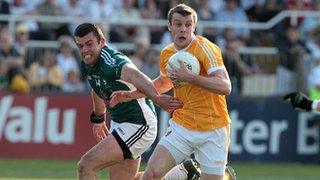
203,40
205,43
111,57
169,49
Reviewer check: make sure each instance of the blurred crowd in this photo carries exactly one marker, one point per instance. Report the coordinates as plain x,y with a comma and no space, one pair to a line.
24,69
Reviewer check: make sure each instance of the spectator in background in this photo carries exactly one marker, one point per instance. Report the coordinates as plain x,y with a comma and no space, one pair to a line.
129,33
234,13
74,9
8,52
45,75
18,82
66,59
141,47
272,8
4,79
235,64
53,30
291,46
313,44
23,7
20,44
290,71
103,9
73,83
253,8
150,65
4,9
206,14
150,10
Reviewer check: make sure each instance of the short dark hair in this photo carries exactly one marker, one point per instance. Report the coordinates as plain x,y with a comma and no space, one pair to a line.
183,10
86,28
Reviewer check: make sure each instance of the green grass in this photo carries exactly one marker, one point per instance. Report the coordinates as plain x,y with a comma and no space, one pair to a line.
61,169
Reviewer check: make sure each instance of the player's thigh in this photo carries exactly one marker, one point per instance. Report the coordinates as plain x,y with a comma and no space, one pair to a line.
161,161
212,154
104,154
126,169
134,139
177,142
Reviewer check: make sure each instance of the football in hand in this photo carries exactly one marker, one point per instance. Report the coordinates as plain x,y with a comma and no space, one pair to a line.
189,60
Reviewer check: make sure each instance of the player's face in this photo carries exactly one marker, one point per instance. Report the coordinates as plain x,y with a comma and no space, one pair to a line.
89,48
182,30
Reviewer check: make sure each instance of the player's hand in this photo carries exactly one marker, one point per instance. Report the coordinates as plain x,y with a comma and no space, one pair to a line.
299,101
100,131
168,103
120,97
181,73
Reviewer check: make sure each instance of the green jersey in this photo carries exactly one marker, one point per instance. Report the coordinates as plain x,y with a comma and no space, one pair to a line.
104,78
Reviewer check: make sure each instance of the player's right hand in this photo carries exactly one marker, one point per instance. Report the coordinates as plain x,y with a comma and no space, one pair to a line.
299,101
100,131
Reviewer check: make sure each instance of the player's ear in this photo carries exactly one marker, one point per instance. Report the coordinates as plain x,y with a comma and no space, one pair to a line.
169,27
102,41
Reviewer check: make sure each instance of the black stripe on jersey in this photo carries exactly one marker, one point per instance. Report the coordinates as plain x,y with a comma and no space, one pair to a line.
106,57
136,136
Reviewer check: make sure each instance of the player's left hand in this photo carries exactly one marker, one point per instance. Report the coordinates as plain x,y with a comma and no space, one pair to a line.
181,73
100,131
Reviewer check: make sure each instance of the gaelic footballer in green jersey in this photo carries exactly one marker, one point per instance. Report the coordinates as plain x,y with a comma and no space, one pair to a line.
133,123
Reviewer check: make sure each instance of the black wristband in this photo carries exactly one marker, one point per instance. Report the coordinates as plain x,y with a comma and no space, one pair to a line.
96,119
306,104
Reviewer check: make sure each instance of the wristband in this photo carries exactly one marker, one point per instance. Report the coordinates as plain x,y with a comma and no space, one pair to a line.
314,105
96,119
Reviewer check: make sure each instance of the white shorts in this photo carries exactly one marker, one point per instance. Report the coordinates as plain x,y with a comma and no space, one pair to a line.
210,148
134,139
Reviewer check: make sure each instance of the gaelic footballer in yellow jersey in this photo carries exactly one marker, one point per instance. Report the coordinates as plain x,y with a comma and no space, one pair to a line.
201,126
202,109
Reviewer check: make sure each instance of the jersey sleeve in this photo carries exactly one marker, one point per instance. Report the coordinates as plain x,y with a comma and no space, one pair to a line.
165,54
210,57
112,64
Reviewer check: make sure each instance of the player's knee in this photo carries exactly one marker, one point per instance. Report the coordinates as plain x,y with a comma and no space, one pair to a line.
83,167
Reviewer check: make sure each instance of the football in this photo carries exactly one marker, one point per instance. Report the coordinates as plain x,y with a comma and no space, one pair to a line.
190,61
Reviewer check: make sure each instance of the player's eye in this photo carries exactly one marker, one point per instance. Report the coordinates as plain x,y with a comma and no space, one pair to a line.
89,44
178,24
80,46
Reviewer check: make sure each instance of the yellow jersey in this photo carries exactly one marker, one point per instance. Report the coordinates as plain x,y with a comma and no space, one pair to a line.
202,110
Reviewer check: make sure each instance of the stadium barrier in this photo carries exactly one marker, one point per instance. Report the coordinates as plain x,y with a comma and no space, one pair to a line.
57,126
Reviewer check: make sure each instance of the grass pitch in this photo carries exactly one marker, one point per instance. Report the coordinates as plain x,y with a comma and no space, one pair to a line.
63,169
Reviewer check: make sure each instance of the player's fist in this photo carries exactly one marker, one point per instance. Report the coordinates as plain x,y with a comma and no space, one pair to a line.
299,101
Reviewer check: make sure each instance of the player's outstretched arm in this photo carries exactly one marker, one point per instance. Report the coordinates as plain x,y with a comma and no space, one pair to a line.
161,83
144,84
300,101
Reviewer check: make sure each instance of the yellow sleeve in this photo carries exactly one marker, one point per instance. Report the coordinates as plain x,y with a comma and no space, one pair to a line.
210,56
165,54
